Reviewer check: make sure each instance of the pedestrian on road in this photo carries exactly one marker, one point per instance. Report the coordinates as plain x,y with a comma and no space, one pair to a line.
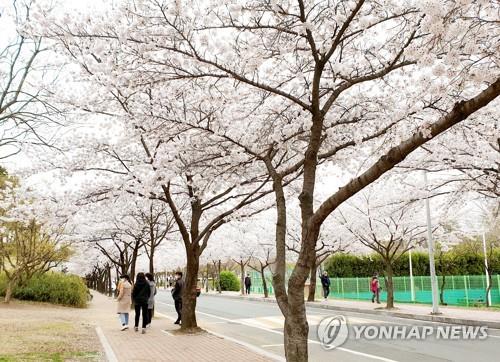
177,295
375,288
325,283
140,297
248,283
151,300
124,299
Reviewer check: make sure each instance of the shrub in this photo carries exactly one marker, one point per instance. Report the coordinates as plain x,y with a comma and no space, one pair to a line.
56,288
229,281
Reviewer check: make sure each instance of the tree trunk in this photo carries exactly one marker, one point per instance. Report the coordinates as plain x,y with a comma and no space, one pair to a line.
312,282
206,286
242,269
264,283
389,286
441,289
296,326
133,261
152,261
8,290
189,292
219,288
110,281
488,289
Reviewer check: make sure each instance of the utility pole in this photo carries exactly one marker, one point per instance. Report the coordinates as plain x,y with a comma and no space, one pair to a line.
430,241
488,295
412,284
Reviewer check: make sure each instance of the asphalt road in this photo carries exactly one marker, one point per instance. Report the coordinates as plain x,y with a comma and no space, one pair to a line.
261,325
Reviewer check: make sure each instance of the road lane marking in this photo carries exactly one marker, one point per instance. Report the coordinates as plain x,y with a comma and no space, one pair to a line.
367,355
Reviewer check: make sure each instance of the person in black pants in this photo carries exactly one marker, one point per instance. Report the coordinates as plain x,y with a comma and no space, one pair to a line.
248,284
325,283
140,297
177,295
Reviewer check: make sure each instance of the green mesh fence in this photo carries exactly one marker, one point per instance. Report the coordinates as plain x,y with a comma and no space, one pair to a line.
462,290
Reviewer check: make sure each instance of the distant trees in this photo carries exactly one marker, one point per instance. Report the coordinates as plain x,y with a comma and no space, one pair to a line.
25,112
27,250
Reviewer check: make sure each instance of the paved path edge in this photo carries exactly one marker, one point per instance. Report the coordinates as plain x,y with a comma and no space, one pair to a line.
108,350
248,346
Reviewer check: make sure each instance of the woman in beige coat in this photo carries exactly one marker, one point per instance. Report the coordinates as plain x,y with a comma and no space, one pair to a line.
124,300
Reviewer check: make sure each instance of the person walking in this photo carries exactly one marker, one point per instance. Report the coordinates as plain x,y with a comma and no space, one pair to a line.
325,283
151,300
124,299
140,297
177,295
248,283
375,288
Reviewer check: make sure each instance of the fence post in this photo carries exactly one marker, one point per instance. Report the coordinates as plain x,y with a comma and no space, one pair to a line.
338,286
422,282
466,292
357,288
453,282
342,281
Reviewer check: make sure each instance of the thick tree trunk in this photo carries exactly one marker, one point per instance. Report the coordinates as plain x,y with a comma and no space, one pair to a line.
296,326
264,283
189,292
389,286
312,282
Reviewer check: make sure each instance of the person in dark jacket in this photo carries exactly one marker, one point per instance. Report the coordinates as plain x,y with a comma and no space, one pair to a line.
325,283
177,295
248,284
140,297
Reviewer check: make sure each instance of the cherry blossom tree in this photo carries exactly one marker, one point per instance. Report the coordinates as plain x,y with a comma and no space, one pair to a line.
293,86
26,82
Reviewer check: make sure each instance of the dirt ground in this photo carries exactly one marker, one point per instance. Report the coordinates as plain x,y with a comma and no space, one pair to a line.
44,332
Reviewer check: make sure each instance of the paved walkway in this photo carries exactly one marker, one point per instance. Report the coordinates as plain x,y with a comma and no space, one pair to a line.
159,344
458,315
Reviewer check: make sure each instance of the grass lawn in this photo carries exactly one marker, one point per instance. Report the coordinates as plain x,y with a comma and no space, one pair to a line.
43,332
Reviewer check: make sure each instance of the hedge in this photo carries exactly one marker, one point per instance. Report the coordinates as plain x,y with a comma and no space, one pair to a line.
229,281
52,287
450,263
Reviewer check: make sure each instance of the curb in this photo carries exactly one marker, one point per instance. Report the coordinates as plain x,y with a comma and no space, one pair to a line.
420,317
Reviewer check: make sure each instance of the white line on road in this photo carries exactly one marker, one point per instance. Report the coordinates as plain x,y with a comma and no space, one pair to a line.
281,333
110,355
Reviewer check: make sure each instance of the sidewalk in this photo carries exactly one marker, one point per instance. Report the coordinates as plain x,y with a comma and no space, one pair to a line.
452,315
159,344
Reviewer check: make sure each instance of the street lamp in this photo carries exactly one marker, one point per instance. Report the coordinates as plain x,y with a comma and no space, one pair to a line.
432,266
